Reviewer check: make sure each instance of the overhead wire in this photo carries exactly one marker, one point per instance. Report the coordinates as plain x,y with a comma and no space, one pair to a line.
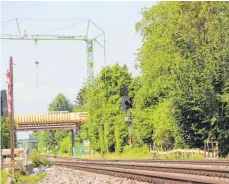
8,20
52,19
62,27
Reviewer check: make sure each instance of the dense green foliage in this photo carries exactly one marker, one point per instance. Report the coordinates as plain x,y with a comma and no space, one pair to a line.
5,133
60,103
3,176
32,179
50,139
105,127
38,160
184,63
181,98
15,171
20,176
80,101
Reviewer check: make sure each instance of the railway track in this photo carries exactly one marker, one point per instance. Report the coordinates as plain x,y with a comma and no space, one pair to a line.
191,162
212,172
149,173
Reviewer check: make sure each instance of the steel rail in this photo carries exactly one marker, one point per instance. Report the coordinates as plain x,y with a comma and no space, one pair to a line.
153,177
193,162
212,172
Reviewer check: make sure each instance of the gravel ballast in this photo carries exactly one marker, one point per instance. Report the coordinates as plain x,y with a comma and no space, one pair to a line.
60,175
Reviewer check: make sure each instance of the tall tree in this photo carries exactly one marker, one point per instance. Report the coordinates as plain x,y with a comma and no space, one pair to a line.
52,138
60,103
5,133
184,63
105,127
80,100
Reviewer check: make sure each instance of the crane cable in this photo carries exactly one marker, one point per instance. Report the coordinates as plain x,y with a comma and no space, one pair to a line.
37,64
61,28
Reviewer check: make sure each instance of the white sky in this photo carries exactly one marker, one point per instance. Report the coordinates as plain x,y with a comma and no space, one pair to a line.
62,65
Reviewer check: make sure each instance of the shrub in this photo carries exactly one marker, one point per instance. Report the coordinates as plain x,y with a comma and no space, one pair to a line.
227,157
16,170
32,179
38,160
3,176
65,145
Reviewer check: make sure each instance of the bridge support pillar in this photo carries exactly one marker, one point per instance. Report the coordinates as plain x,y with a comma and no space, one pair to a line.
73,141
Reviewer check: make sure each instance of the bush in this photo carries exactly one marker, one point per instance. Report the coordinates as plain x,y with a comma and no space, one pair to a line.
227,157
179,155
137,151
16,170
38,160
66,145
130,153
32,179
3,176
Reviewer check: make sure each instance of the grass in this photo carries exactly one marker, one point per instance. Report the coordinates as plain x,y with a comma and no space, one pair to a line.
32,179
127,154
138,153
21,178
3,176
142,153
55,154
187,156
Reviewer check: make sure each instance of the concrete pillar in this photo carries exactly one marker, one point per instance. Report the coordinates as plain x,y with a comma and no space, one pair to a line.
73,141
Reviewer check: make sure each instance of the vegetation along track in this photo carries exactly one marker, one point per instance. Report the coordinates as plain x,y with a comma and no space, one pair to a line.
149,173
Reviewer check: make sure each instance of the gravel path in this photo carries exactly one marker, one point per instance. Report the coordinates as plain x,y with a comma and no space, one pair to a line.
60,175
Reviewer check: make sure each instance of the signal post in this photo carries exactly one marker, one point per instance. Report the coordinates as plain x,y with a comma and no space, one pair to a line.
127,105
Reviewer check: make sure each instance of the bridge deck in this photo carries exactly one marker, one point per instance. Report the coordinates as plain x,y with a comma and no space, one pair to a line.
50,121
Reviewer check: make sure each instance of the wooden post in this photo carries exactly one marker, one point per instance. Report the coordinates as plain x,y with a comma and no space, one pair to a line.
150,149
217,150
204,149
10,106
1,158
131,135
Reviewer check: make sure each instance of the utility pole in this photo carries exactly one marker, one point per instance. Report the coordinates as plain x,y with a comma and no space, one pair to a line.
9,76
129,121
73,141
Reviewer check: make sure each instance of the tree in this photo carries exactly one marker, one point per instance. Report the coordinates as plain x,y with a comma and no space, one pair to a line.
52,138
184,61
80,100
105,127
60,103
5,133
65,145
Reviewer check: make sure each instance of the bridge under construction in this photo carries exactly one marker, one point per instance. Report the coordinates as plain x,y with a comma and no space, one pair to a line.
50,121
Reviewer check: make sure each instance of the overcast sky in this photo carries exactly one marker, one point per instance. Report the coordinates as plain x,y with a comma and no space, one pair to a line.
62,64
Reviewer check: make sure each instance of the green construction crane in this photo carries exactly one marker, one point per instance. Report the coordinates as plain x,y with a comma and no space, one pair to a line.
89,41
